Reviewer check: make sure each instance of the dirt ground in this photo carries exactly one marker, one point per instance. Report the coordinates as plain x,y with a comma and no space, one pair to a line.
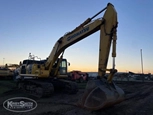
138,101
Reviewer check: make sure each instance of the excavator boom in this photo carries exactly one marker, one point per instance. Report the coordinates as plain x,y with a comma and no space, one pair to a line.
106,25
71,38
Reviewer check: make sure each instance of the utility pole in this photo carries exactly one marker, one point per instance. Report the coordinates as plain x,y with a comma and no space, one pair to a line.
141,61
142,65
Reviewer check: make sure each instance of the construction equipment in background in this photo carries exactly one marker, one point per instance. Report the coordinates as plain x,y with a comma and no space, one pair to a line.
6,73
76,75
49,75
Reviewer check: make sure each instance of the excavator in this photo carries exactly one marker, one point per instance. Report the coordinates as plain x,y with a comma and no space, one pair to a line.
43,77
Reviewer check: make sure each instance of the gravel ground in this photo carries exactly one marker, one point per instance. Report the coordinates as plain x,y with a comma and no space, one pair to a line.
138,101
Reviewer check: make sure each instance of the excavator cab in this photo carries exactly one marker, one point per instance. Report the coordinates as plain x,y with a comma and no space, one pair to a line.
63,67
60,67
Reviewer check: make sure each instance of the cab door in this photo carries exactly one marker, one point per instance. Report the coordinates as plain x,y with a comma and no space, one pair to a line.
63,67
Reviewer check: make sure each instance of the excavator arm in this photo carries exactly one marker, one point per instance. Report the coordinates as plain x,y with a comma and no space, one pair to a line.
107,26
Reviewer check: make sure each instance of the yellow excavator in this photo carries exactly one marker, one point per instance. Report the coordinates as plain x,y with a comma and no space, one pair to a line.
42,77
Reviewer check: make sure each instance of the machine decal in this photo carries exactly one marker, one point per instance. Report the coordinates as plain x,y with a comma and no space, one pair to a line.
78,33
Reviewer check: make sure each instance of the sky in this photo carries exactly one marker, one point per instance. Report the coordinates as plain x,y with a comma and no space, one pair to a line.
34,26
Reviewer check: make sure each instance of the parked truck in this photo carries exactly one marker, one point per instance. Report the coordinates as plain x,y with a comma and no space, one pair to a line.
76,75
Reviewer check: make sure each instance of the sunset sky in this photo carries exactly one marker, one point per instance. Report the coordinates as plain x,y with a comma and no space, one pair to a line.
33,26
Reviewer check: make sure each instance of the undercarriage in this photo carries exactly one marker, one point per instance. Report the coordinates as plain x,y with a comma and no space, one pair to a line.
46,87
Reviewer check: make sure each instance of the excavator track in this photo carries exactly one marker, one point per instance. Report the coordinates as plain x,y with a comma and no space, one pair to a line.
36,88
41,89
70,87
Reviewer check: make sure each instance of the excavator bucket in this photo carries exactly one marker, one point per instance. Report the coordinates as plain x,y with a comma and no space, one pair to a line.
100,94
